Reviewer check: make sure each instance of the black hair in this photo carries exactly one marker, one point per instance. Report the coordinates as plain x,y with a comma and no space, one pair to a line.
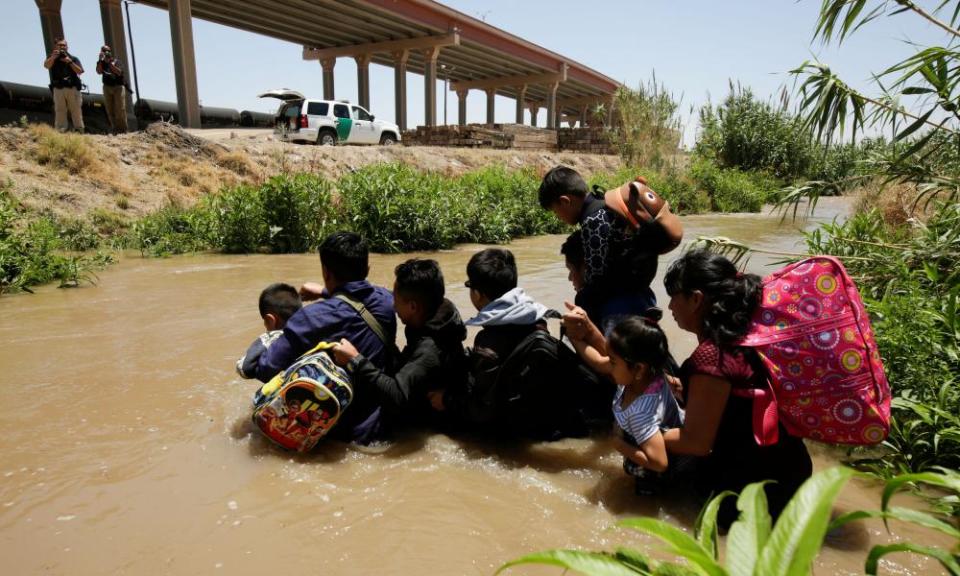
637,339
731,297
560,181
280,299
492,272
421,280
345,255
572,249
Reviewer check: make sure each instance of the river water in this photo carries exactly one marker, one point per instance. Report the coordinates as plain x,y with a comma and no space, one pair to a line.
127,449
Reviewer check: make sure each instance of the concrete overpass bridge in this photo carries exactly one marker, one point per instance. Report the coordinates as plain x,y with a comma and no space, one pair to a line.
418,36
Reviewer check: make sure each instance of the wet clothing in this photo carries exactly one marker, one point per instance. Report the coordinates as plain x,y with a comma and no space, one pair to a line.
433,358
521,381
620,264
330,320
506,321
736,459
247,364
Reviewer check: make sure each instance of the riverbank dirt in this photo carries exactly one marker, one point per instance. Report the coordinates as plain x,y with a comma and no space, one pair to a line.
132,174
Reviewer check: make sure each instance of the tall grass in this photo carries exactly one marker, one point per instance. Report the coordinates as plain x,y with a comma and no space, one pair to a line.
38,249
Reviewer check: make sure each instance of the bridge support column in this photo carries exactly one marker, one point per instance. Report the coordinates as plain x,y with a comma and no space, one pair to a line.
462,107
552,119
491,105
184,63
363,80
328,87
50,23
521,95
430,56
400,87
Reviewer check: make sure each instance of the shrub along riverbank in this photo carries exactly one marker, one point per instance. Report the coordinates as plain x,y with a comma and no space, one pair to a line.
395,207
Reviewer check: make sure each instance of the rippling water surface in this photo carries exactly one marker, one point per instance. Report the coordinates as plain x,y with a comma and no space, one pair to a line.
126,447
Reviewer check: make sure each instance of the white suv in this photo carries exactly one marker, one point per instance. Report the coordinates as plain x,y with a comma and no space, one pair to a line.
328,122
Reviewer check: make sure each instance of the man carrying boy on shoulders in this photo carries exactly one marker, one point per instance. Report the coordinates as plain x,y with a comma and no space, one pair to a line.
433,357
349,307
619,263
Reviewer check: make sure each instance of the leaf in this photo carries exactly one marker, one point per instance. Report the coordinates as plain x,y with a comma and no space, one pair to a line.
635,559
903,514
877,552
798,535
706,526
590,563
947,479
750,532
679,542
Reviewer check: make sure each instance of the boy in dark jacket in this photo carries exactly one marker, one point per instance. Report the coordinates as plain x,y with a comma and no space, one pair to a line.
348,307
433,357
507,316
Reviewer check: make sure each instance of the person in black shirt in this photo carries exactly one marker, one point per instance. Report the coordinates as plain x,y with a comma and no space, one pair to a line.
65,70
114,84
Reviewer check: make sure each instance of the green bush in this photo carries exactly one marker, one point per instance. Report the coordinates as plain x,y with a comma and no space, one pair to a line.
397,209
730,190
299,211
502,205
38,249
174,229
746,133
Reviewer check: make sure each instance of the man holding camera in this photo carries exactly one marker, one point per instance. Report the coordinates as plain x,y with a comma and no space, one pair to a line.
114,84
65,71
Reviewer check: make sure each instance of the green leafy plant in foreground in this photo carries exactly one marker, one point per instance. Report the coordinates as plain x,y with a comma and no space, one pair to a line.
754,545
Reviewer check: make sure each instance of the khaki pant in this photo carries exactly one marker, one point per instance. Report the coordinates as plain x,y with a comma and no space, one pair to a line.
67,100
115,98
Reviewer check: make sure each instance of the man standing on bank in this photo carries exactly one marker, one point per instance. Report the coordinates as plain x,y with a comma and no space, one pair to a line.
113,90
65,71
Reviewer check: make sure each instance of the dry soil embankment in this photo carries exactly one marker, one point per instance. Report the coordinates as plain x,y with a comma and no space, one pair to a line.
132,174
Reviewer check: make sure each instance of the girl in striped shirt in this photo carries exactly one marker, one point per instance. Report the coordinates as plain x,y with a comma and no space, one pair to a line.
634,356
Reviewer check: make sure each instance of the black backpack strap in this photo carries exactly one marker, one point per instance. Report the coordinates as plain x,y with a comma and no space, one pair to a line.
365,314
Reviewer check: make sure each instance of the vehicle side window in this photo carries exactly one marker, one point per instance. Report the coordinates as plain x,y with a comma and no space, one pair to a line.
362,114
318,108
341,111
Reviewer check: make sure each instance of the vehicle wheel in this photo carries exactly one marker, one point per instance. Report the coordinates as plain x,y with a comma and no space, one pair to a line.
388,140
327,138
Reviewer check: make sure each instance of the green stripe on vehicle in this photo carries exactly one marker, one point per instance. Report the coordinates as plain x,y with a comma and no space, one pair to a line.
344,125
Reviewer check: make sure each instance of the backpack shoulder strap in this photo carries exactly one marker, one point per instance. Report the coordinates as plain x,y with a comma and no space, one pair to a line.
365,314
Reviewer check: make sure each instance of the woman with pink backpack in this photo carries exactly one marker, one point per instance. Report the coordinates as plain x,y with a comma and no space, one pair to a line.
711,299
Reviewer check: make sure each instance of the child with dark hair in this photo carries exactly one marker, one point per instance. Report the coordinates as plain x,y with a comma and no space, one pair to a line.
619,262
433,357
635,356
573,257
507,316
710,298
277,303
348,307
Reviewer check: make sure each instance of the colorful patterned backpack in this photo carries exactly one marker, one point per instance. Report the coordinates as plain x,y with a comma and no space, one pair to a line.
813,335
300,405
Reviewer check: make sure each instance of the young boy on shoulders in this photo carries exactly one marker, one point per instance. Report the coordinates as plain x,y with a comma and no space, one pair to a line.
433,357
278,302
348,307
619,262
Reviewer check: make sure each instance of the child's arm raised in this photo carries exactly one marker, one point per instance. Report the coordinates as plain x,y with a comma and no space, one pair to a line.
586,338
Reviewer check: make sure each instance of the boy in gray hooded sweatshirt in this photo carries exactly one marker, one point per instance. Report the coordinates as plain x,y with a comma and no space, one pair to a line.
507,316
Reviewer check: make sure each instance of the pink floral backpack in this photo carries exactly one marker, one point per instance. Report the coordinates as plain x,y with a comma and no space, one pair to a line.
814,337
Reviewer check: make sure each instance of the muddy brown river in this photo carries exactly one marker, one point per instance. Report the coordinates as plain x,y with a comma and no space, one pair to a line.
126,447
